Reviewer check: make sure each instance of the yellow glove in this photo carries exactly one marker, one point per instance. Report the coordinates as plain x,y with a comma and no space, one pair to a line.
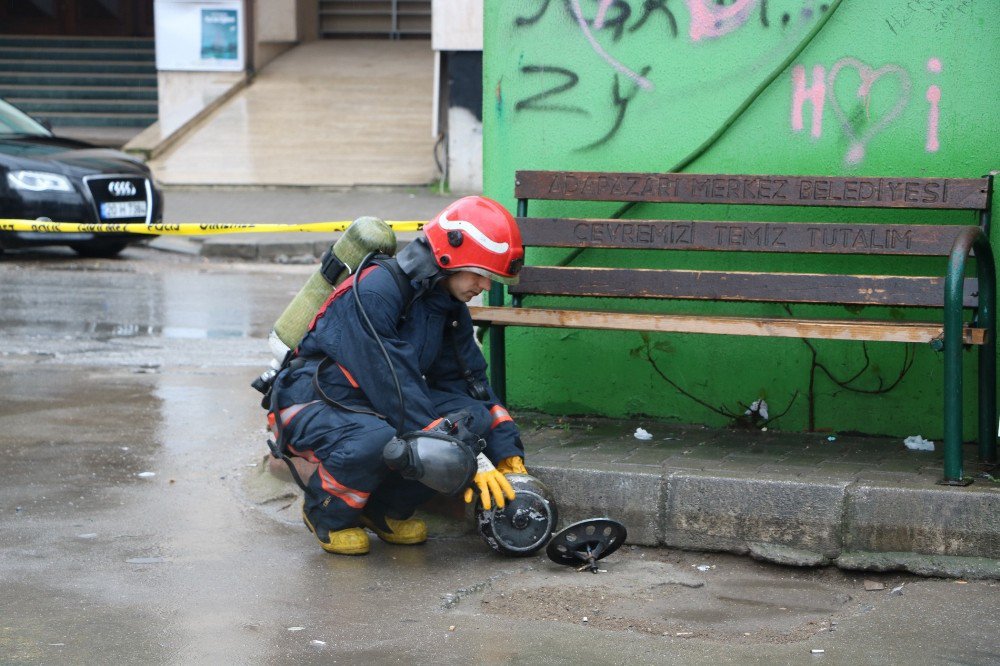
512,465
489,482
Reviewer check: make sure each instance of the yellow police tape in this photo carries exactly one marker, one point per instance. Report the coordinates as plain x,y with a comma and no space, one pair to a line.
186,228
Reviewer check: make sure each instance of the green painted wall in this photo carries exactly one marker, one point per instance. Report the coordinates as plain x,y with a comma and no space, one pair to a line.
882,88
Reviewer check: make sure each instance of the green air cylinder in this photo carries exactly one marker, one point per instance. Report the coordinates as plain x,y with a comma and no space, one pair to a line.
362,237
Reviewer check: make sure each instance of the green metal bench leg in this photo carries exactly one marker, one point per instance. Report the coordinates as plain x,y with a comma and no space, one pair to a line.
969,239
498,351
987,355
988,401
953,397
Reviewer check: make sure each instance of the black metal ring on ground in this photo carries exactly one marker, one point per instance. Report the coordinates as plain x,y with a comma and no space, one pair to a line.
587,541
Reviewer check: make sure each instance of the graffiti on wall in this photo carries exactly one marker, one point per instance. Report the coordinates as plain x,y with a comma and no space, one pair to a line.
871,100
861,127
943,12
605,23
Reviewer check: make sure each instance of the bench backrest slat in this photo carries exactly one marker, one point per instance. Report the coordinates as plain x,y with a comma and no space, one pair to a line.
915,291
826,238
944,193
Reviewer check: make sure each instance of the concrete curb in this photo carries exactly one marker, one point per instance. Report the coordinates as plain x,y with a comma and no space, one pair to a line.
785,521
791,521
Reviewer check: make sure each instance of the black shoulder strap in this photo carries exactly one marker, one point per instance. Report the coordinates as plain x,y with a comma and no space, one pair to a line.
406,289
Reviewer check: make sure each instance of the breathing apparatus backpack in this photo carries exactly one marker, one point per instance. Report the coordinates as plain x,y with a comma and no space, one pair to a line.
362,237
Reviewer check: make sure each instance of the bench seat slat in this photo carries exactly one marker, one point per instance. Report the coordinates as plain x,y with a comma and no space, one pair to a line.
859,192
831,329
916,291
826,238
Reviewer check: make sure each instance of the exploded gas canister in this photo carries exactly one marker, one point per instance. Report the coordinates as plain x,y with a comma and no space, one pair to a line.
525,524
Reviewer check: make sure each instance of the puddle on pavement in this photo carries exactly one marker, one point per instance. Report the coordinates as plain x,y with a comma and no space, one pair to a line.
103,306
104,331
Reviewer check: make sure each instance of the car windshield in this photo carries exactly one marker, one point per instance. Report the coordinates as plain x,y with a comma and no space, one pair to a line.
13,121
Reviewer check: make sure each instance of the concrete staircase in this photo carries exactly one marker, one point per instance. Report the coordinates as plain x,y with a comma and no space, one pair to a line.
100,89
375,18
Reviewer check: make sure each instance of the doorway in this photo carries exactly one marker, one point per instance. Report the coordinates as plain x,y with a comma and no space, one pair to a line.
107,18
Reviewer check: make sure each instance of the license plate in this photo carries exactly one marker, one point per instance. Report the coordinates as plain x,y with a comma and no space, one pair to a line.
114,210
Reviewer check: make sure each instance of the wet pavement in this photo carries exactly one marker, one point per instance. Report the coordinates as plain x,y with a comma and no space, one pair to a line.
132,530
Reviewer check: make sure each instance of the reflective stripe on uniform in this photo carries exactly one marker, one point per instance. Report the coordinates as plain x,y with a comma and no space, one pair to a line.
287,414
352,498
500,415
349,376
304,453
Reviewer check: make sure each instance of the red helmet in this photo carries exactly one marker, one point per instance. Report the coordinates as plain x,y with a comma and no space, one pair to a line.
479,235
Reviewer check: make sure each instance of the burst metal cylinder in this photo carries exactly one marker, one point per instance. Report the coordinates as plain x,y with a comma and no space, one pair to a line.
525,524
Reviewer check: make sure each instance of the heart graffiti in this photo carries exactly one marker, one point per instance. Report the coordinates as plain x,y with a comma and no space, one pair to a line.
860,139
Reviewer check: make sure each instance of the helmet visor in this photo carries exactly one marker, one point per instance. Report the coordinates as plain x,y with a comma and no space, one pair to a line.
502,279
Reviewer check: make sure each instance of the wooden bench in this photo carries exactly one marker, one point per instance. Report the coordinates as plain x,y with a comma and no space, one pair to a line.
953,294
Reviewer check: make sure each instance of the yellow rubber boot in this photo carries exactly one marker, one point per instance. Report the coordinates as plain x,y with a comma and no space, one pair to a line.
350,541
407,532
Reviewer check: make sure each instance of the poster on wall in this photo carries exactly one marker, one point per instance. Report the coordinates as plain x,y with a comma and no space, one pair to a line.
219,38
199,35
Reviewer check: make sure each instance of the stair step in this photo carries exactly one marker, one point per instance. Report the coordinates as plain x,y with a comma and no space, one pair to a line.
110,137
45,53
73,119
77,79
106,84
341,18
332,3
351,11
35,106
145,43
41,91
80,66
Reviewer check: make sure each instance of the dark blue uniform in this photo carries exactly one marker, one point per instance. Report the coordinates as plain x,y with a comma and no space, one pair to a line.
430,348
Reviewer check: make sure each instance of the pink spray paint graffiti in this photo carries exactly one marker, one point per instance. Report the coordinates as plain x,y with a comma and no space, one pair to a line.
637,79
815,94
860,132
859,141
602,11
709,19
934,113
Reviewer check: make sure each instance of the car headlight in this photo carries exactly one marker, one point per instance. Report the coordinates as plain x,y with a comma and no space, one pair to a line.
38,181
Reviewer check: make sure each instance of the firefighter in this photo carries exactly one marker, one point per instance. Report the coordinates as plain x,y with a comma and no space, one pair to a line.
339,402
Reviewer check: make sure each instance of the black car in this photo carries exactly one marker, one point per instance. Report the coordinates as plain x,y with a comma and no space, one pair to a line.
47,178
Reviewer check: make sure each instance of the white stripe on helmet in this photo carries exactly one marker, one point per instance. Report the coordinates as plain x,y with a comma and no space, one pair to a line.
476,234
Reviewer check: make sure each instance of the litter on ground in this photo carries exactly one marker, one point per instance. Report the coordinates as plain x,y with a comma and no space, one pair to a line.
918,443
758,407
